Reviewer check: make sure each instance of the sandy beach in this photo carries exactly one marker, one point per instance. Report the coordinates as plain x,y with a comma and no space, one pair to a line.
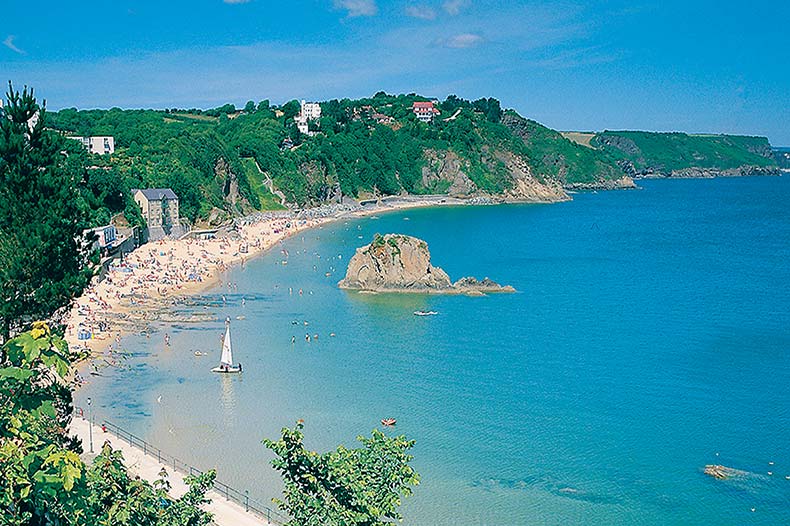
151,280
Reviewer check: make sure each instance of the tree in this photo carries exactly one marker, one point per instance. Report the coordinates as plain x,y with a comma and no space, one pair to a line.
291,109
43,252
347,487
249,107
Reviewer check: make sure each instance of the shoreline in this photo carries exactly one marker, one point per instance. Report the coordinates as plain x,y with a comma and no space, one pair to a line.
142,290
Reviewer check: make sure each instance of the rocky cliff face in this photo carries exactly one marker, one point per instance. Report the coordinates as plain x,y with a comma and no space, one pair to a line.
445,169
229,180
525,186
445,172
398,263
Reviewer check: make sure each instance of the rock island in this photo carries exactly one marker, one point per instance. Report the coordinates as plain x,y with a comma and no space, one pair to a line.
399,263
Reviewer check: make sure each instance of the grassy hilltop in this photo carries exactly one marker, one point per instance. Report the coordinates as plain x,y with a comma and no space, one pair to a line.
672,153
225,161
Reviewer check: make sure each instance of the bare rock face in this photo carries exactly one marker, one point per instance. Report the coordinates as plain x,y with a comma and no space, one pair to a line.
526,187
230,183
444,167
394,262
399,263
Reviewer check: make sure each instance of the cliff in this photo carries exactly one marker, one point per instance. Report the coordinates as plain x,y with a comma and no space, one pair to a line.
399,263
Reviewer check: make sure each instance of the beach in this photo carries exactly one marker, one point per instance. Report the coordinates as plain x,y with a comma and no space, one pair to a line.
150,282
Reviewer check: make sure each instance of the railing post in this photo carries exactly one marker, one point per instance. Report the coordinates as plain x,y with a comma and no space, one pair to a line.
159,455
246,500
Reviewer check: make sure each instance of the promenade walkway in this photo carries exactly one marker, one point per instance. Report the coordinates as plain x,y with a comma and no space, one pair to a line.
148,465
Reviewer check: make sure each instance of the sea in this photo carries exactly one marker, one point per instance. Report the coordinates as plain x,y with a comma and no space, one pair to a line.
649,336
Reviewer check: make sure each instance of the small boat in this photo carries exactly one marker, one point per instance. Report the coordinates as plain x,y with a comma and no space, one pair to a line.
425,313
388,422
226,360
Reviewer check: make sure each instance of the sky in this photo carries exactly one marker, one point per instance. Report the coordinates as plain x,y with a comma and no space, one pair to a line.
694,66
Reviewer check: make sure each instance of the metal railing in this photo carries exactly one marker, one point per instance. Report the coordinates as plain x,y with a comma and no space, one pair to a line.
242,499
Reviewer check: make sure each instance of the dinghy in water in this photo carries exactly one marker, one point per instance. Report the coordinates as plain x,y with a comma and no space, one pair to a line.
226,360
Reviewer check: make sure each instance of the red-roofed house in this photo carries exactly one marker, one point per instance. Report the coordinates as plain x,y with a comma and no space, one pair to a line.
424,111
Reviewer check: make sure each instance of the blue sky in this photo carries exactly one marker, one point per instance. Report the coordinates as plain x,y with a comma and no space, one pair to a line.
690,65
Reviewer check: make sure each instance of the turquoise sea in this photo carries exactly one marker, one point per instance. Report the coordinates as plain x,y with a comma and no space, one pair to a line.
650,336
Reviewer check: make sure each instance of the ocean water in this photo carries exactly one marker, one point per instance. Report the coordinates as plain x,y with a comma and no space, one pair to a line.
650,336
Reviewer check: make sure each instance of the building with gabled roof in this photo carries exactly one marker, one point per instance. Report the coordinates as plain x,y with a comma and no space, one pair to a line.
425,111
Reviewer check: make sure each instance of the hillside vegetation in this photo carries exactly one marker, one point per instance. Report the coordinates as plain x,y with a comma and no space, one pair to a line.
363,148
680,153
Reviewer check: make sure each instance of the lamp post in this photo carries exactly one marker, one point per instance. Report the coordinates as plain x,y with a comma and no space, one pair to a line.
90,424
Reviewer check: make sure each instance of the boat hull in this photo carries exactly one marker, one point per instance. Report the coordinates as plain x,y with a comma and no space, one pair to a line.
226,370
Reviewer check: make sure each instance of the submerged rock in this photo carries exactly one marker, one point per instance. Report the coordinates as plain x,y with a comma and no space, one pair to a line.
399,263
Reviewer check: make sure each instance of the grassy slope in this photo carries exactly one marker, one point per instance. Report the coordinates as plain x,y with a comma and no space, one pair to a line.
268,200
665,152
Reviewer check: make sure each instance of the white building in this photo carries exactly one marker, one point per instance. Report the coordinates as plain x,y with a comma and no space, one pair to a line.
107,238
99,144
311,110
425,111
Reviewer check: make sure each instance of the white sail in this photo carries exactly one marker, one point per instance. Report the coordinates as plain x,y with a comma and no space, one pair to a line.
227,357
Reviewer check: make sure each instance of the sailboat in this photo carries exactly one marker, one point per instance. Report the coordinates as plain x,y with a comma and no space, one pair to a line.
226,360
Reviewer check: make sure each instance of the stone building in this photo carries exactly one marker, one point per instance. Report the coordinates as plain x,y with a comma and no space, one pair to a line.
159,207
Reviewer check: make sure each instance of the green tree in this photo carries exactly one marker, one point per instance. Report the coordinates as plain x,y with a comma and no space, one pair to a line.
347,487
291,109
43,252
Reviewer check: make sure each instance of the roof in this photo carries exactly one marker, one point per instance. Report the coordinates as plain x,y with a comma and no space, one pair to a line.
155,194
425,105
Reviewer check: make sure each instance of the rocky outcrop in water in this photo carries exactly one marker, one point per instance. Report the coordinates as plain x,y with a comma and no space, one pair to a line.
399,263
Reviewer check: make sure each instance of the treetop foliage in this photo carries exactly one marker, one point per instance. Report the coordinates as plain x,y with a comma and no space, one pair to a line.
360,486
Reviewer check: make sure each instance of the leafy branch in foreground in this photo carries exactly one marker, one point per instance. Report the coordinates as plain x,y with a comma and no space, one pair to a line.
361,486
43,481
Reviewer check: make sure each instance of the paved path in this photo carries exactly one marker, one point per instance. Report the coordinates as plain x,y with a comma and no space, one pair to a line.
226,512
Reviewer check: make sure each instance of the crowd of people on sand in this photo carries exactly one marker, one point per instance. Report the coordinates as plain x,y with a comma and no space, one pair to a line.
147,277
